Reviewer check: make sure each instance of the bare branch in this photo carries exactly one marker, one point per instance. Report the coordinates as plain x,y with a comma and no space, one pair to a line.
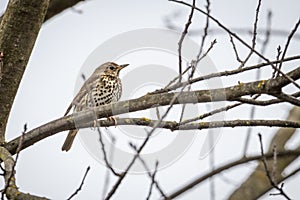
104,152
280,139
220,74
205,30
58,6
81,184
258,75
266,102
277,58
209,114
235,50
166,88
11,190
151,176
241,40
196,181
288,43
253,35
152,181
184,32
8,181
268,174
288,98
138,151
145,102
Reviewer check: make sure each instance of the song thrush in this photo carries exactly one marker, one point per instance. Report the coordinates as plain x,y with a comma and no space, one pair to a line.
102,87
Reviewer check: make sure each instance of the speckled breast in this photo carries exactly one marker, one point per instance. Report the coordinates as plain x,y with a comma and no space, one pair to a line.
107,90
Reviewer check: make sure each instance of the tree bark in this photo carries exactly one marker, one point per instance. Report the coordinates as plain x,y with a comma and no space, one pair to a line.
18,32
57,6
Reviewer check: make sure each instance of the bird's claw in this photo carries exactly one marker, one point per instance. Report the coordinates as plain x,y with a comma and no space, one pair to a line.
114,119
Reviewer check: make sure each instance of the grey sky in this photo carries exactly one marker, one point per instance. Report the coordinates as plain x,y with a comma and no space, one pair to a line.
48,87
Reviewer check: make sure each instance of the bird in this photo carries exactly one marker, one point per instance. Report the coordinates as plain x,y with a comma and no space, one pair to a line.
102,87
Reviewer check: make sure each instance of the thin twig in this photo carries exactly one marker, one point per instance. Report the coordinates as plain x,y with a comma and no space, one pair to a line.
215,111
241,31
149,134
148,171
195,62
184,33
258,75
107,176
81,184
266,102
288,98
218,110
165,89
235,50
267,33
8,184
253,36
220,74
153,181
277,58
198,180
241,40
105,153
205,30
287,44
264,161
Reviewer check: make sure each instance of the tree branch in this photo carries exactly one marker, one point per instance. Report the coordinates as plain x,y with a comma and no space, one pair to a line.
200,179
270,177
220,74
240,40
58,6
81,184
18,31
147,101
257,178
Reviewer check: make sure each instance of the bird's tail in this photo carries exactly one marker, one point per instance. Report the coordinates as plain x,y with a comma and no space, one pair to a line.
69,140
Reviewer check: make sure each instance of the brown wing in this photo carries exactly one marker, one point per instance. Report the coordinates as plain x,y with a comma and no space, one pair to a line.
87,85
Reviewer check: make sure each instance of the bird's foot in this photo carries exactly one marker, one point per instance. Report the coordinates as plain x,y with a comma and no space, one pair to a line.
114,118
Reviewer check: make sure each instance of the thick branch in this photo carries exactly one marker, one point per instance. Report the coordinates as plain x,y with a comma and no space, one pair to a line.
18,31
198,180
257,177
57,6
148,101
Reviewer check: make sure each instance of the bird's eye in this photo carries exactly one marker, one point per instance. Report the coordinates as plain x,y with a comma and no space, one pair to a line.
112,68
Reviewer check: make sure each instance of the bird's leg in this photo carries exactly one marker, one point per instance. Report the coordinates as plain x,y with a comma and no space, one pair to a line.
95,123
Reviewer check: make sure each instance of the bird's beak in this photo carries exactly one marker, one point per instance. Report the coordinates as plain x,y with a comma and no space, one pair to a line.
123,66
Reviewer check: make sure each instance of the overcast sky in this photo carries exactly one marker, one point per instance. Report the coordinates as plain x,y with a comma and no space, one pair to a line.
65,48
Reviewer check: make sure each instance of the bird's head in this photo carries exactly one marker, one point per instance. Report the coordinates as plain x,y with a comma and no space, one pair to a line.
111,68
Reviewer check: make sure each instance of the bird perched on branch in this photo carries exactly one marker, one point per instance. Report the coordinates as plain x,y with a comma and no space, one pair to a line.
101,88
